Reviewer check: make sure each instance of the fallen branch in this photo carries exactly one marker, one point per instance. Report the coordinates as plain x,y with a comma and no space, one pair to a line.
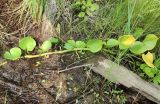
75,67
122,75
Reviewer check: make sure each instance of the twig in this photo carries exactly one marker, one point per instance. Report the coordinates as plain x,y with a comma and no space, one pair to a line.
77,62
135,98
3,63
5,99
74,68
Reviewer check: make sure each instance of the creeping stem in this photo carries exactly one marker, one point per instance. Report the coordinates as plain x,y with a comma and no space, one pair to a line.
3,63
48,53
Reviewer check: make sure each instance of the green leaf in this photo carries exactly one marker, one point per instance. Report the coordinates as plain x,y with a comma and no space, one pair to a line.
138,48
157,63
138,32
126,41
81,14
156,79
150,41
71,44
68,46
94,45
112,43
27,43
46,46
76,5
54,40
142,66
149,71
89,3
7,55
94,7
13,54
80,44
83,8
83,2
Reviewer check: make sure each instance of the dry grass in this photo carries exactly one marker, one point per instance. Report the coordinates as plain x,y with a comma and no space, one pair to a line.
18,17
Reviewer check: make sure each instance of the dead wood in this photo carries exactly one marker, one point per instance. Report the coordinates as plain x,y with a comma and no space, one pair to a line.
47,30
122,75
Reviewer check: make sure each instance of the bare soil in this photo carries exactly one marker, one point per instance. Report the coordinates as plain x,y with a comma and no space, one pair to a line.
37,81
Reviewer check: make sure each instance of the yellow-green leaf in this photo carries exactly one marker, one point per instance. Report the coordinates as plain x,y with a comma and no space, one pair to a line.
148,59
126,41
138,48
150,41
112,43
94,45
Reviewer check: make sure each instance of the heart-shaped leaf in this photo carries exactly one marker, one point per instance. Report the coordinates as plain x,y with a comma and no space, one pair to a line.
126,41
94,45
148,59
81,14
157,63
94,7
156,79
150,41
142,66
138,48
27,43
89,3
70,44
80,44
112,43
54,40
149,71
13,54
45,46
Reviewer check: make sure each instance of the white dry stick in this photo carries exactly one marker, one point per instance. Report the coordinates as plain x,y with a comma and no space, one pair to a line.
75,67
122,75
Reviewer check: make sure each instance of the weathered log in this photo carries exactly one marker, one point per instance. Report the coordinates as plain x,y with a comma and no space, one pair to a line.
122,75
47,30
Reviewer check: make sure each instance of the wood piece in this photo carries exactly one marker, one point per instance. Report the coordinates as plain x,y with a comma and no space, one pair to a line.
122,75
47,30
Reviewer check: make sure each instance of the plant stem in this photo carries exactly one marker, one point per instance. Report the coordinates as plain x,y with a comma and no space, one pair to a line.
49,53
55,52
3,63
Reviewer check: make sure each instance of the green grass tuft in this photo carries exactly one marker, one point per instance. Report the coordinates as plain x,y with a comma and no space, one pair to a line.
120,17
